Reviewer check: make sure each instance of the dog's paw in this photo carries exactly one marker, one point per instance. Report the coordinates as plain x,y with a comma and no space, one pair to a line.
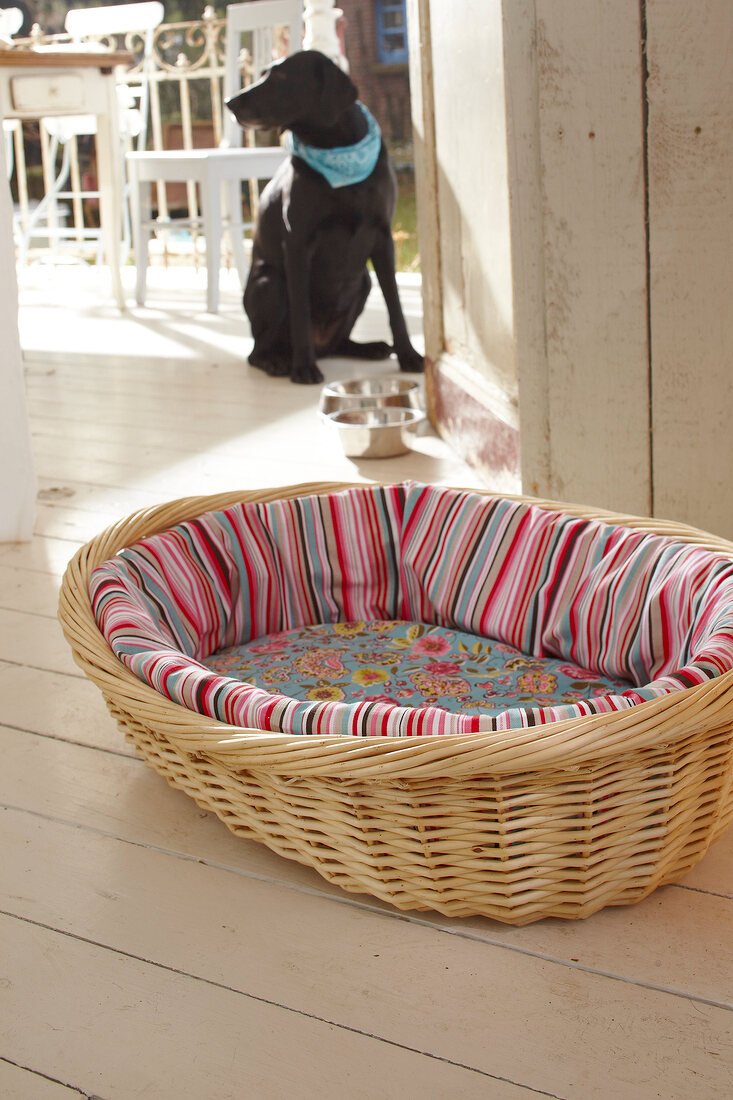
411,361
273,365
307,374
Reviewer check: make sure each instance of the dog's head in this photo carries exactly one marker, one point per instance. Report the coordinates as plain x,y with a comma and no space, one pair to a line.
306,88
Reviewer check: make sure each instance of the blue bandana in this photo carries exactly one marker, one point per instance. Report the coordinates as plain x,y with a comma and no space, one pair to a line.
346,165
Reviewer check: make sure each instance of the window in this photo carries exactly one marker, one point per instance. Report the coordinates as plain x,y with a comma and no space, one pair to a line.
391,31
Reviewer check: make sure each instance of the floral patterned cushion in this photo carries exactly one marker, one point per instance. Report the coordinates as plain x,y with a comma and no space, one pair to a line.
408,664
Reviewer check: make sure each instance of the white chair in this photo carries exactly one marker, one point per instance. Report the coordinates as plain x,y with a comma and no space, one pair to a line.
221,169
11,20
96,28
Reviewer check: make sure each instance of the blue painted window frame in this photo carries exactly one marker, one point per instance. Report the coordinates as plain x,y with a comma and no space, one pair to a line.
388,33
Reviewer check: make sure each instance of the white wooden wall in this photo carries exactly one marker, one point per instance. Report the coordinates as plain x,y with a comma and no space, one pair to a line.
457,72
690,132
17,482
587,297
593,253
473,193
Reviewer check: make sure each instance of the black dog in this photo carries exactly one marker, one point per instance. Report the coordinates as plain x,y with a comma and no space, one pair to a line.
309,281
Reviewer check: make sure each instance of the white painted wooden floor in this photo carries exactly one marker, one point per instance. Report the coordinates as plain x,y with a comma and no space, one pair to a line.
147,952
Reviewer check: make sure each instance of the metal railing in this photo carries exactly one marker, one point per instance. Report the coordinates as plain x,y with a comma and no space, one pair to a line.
185,78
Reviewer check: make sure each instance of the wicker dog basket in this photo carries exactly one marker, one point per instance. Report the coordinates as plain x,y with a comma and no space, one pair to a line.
557,820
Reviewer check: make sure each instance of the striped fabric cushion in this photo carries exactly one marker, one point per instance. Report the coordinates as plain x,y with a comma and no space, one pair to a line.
629,605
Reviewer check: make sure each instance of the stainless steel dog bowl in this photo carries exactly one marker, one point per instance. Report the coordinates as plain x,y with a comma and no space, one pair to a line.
369,393
375,433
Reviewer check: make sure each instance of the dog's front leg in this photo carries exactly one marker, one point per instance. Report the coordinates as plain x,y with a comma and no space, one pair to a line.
383,259
297,273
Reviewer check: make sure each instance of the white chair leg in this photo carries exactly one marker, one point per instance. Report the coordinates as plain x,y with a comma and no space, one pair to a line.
46,207
9,152
140,214
211,209
109,169
50,208
126,214
233,212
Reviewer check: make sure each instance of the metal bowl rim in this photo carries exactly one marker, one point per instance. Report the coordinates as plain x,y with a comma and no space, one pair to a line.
395,416
348,387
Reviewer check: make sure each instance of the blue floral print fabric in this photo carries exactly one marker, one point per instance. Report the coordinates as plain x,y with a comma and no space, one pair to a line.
406,663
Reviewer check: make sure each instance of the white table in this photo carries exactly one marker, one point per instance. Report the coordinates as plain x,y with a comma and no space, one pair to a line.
36,84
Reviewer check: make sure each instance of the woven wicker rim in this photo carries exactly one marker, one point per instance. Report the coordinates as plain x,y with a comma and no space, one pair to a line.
573,743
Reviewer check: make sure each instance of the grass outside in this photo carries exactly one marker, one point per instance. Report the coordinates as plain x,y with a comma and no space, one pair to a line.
404,224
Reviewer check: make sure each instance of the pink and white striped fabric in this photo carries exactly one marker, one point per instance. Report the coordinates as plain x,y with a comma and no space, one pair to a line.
626,604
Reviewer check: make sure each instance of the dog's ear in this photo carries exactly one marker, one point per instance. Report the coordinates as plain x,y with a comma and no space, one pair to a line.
337,92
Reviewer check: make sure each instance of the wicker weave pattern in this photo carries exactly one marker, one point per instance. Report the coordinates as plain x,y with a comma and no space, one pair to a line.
556,821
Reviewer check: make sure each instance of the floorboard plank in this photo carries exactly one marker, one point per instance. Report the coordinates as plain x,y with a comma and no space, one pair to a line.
69,522
127,1027
25,1083
35,641
92,500
29,591
40,555
201,474
65,708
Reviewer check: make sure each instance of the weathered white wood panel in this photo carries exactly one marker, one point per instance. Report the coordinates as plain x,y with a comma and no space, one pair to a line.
584,221
592,180
541,221
422,105
690,143
463,203
527,231
473,189
17,481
